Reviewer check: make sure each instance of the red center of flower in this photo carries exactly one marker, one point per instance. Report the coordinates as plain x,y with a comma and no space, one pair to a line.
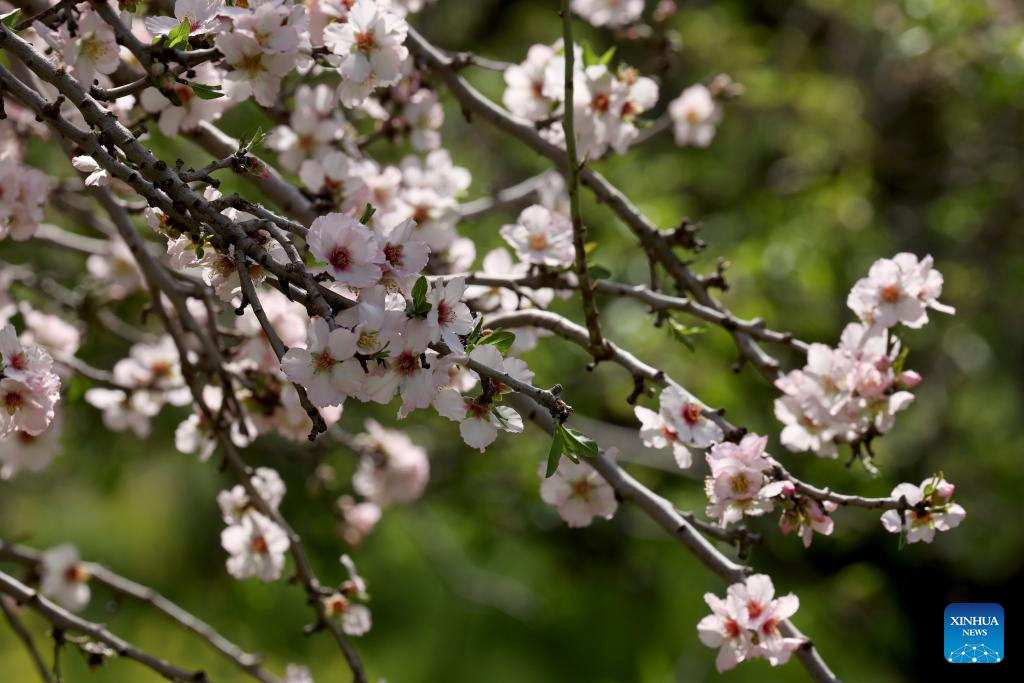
259,545
476,409
581,488
323,361
393,253
739,484
769,625
668,433
628,109
406,363
12,401
445,313
340,258
538,241
890,294
732,629
537,89
754,609
600,102
19,361
421,214
365,42
336,604
691,413
76,573
160,369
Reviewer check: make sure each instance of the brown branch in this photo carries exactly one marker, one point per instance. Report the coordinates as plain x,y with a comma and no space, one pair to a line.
66,621
26,638
249,663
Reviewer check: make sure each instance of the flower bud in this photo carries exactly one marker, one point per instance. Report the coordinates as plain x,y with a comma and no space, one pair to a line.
908,379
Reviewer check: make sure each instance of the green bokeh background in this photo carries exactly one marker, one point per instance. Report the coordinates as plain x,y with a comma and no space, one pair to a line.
866,128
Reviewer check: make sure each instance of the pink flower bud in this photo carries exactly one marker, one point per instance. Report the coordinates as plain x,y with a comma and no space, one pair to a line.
788,488
908,379
945,489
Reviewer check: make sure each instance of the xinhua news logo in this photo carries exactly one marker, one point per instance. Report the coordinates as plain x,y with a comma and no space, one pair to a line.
973,633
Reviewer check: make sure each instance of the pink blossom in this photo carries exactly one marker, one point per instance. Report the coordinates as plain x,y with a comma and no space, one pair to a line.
393,469
931,509
256,546
578,492
695,115
351,252
322,368
684,415
541,236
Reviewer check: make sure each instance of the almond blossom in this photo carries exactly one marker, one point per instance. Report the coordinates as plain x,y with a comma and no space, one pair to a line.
393,469
321,366
737,485
541,236
23,193
29,388
64,578
695,115
578,492
92,50
201,16
355,617
804,515
898,290
21,451
684,415
351,252
611,13
256,546
255,72
449,317
745,625
371,47
525,94
931,509
655,433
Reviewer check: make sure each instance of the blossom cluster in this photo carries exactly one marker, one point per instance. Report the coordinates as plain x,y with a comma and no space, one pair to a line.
852,392
681,423
256,545
606,102
746,624
29,393
931,509
23,192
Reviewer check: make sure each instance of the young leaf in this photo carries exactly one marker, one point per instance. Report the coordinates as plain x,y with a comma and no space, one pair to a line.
901,360
474,336
590,57
367,214
683,333
10,20
206,92
419,291
579,443
606,58
503,339
555,452
177,39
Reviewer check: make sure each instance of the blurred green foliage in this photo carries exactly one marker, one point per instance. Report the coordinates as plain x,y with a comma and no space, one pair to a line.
866,128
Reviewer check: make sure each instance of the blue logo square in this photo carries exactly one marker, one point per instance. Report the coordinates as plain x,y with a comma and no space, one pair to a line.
973,633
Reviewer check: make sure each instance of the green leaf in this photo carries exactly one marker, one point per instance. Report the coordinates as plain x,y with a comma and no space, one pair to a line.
606,58
684,333
578,443
589,247
901,360
419,307
367,214
10,20
419,291
177,39
474,336
599,273
555,452
206,92
503,339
